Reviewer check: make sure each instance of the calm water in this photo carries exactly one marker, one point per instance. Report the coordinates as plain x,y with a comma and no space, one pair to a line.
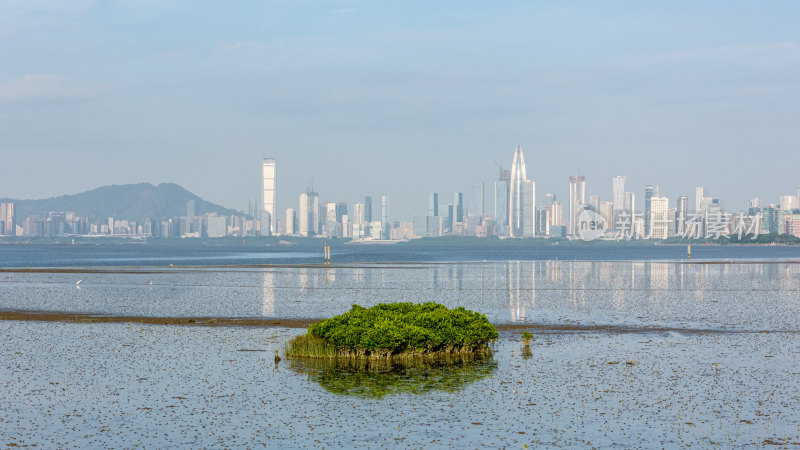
164,254
753,296
725,374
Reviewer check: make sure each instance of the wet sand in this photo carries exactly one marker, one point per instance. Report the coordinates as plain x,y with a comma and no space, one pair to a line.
69,317
77,317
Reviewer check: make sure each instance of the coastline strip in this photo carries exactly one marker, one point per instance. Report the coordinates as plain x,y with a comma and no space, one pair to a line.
535,328
77,317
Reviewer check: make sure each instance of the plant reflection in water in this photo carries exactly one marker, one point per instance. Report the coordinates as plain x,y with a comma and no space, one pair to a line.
377,378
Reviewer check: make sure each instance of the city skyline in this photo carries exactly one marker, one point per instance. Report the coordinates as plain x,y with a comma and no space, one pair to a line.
310,218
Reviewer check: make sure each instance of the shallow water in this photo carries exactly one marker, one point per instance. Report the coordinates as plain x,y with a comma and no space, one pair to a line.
197,252
64,385
726,375
742,296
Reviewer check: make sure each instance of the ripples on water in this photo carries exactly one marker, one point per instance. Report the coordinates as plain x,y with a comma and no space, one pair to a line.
740,296
126,385
107,385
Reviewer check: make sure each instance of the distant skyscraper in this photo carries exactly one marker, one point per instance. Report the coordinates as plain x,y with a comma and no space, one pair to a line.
334,212
358,214
304,215
577,199
269,198
448,220
7,219
557,216
433,204
681,213
522,199
630,204
290,221
477,199
649,193
251,211
501,193
594,200
618,197
458,207
606,209
618,185
659,223
699,193
753,206
529,209
384,217
787,202
316,222
308,214
190,216
367,209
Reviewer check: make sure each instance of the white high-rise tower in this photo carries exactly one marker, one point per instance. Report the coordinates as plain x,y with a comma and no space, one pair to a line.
577,201
269,198
618,185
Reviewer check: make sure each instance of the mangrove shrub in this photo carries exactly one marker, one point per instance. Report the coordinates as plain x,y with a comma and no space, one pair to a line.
397,328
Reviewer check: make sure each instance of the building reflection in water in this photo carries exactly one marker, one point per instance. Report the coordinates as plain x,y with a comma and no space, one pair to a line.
457,275
268,294
553,272
302,279
658,274
521,290
576,277
433,277
680,274
358,276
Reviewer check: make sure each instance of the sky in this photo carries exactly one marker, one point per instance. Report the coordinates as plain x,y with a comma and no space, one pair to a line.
400,98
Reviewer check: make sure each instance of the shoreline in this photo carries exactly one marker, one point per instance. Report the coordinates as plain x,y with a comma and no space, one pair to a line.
535,328
150,269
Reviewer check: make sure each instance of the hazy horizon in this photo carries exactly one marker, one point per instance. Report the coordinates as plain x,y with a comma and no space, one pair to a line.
399,99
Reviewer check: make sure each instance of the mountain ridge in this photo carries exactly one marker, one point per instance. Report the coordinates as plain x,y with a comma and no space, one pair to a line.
122,201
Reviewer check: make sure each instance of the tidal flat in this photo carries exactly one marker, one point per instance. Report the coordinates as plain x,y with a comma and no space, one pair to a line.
127,385
625,353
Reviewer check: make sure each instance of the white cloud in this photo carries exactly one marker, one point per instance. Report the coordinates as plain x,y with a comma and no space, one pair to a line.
45,87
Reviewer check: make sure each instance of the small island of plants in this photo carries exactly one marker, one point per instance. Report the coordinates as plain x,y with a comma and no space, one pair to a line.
397,330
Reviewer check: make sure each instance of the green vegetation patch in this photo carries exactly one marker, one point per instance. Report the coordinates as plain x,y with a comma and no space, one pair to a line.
397,329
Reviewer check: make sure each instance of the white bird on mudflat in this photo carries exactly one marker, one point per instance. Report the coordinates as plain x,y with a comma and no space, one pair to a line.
79,282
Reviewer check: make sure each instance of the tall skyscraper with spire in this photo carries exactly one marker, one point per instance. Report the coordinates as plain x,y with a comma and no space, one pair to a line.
521,199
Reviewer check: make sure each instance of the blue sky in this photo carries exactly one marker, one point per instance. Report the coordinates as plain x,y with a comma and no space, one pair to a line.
399,98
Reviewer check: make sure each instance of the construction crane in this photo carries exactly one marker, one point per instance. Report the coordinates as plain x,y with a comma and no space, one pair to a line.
497,163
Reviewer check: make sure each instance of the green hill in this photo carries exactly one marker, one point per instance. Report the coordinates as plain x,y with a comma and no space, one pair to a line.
128,201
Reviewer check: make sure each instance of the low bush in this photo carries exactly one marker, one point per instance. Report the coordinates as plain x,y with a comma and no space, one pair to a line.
386,330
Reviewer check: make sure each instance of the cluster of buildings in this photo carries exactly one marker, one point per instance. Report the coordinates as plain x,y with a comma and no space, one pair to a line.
55,224
515,214
331,219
